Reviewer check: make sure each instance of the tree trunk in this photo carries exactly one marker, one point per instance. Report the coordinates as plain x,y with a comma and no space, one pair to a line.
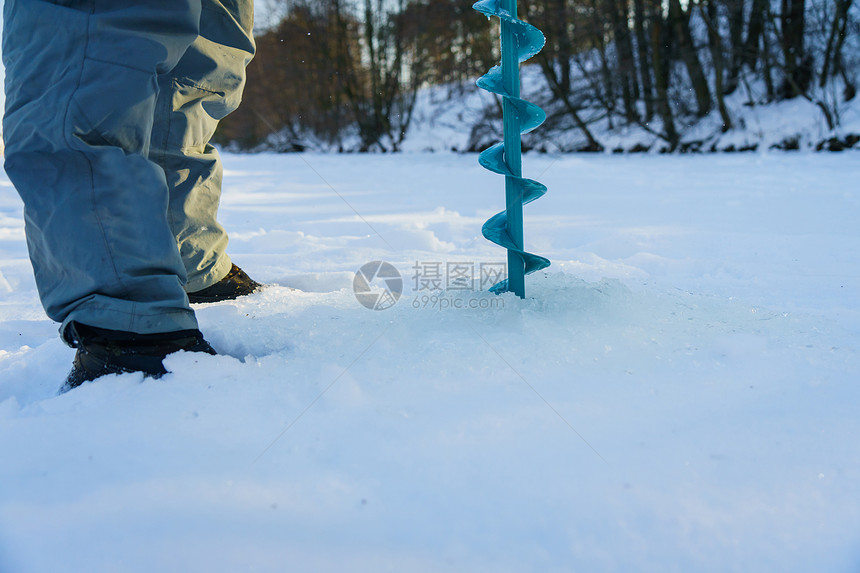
850,87
716,47
754,33
681,24
605,72
660,44
647,93
564,45
736,31
767,58
797,65
624,51
558,92
832,52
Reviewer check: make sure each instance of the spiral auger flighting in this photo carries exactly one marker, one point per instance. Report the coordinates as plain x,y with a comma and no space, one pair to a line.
520,41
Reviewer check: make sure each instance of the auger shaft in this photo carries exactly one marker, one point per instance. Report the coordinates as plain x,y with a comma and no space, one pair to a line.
513,152
520,41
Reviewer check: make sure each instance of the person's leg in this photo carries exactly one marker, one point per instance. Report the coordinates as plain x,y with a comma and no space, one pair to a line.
81,91
204,86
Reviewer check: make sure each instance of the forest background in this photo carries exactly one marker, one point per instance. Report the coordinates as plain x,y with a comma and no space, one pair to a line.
620,75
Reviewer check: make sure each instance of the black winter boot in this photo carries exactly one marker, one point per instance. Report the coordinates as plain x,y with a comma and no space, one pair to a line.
102,351
237,283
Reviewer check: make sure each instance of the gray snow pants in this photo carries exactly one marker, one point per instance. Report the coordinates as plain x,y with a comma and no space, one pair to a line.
110,106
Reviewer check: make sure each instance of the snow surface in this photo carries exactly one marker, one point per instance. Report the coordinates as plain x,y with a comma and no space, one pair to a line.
678,393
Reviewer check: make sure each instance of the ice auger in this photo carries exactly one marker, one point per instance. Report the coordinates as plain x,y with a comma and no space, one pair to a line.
520,41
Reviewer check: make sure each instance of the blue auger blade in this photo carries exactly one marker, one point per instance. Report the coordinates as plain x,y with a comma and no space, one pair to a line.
530,40
488,7
520,41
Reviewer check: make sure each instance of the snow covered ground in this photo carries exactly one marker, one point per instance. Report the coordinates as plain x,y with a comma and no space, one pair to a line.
679,392
441,112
